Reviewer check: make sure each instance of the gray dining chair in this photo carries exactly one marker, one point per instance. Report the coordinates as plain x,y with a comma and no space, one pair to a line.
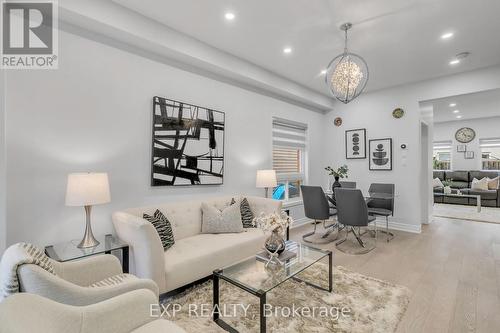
382,207
316,208
352,212
347,184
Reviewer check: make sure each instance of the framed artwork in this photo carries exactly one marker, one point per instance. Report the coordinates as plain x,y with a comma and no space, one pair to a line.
461,148
355,144
380,154
187,144
469,155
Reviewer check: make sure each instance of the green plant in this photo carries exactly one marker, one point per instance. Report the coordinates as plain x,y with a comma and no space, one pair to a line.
447,182
340,172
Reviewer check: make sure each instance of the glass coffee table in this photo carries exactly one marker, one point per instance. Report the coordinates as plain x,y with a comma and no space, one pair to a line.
252,276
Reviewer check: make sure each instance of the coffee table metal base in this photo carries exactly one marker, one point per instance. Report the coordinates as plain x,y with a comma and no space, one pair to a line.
261,294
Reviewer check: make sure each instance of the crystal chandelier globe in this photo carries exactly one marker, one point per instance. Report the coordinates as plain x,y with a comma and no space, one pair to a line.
347,74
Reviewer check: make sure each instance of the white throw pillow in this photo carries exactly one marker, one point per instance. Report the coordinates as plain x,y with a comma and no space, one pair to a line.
493,183
479,185
215,221
436,182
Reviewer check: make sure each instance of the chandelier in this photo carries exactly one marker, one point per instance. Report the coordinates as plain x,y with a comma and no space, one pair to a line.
347,74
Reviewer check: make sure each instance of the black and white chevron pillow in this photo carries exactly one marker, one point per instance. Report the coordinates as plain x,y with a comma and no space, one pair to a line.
246,213
163,228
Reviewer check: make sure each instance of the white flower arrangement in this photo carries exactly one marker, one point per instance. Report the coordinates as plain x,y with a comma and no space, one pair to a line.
273,222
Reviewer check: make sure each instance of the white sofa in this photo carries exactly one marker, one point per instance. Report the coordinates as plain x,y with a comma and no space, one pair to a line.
194,255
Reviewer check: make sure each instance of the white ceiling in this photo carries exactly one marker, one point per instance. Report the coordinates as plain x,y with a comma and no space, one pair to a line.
400,40
483,104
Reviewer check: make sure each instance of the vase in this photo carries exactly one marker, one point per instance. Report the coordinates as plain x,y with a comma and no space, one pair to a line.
447,190
275,243
335,184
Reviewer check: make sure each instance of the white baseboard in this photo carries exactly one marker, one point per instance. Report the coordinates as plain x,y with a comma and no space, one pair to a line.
380,224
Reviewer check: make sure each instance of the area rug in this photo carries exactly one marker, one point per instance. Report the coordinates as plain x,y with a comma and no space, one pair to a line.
470,213
358,303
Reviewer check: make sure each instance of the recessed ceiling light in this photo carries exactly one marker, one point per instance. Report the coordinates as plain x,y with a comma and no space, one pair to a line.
454,62
447,35
229,16
323,72
456,111
287,50
458,117
452,105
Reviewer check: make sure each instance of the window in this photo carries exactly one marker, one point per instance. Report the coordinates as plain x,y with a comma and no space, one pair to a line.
490,153
441,155
289,158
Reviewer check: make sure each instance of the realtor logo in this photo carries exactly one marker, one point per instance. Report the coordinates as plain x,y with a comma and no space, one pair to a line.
29,35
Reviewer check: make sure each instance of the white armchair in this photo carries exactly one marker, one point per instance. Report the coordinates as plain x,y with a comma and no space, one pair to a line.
81,282
129,312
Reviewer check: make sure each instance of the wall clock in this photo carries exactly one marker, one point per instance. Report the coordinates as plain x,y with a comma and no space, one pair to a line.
465,135
398,113
337,121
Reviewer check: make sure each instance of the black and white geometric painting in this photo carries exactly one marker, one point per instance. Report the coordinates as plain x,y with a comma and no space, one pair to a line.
188,144
355,144
381,154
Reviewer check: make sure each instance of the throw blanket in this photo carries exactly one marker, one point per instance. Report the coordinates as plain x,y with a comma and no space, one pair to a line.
113,280
15,256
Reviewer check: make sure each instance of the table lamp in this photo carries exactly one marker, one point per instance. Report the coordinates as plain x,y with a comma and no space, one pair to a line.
87,189
266,179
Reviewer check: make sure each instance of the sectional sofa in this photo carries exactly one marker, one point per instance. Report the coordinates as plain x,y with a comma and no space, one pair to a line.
194,255
462,180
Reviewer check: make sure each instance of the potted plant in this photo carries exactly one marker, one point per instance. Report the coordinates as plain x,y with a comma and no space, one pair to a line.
338,173
447,186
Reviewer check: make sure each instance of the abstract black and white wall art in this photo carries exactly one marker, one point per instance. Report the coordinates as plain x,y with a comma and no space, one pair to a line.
187,145
380,154
355,144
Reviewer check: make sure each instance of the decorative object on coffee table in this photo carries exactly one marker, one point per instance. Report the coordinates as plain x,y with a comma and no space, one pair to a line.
337,121
380,154
447,186
398,113
355,144
276,224
187,144
266,179
87,189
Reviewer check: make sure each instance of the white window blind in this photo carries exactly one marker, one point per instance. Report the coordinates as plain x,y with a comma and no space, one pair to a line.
289,145
486,143
288,134
442,145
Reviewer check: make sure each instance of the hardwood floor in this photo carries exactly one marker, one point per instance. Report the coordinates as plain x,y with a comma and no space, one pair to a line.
452,269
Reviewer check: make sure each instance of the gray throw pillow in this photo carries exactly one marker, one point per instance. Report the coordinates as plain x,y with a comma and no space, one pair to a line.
163,228
215,221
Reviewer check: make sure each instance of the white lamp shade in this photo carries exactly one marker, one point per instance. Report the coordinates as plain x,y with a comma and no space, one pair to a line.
266,178
85,189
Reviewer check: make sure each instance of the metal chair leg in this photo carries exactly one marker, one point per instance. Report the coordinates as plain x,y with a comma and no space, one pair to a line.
310,233
346,235
360,241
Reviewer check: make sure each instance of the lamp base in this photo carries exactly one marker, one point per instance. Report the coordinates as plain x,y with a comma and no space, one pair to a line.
88,238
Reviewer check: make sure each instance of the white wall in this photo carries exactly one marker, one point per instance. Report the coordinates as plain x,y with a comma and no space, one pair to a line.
484,128
3,226
373,111
94,114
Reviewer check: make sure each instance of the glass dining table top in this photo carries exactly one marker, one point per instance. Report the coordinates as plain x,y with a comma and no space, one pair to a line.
373,195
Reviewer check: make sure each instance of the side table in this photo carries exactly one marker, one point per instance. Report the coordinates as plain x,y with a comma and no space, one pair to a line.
68,251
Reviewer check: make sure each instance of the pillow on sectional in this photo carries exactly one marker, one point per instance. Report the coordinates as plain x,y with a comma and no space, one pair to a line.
215,221
494,183
163,228
436,182
246,213
479,185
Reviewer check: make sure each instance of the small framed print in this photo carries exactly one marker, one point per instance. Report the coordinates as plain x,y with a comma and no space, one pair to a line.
461,148
355,144
469,155
380,154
